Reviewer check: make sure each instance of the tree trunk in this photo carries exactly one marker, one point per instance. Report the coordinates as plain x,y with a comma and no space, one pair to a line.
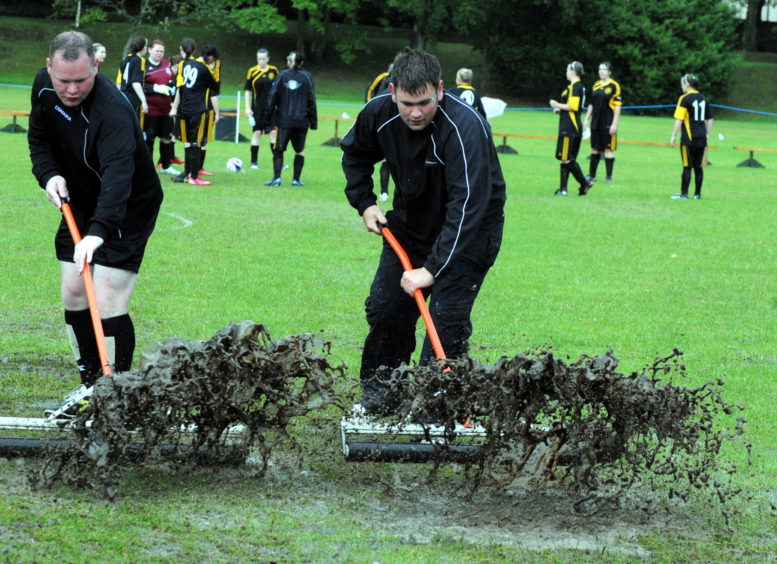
300,31
418,40
750,29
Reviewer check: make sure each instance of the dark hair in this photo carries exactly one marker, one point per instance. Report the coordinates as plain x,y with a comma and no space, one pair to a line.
137,44
606,64
297,58
577,66
691,79
156,42
174,60
414,70
70,45
262,51
210,51
188,46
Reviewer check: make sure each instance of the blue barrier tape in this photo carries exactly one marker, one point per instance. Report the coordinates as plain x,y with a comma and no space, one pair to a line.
759,112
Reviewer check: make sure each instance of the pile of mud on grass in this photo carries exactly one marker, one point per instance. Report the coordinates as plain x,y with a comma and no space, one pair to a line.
192,402
582,426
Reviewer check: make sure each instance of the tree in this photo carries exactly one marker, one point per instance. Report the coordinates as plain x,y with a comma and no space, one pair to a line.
650,44
750,28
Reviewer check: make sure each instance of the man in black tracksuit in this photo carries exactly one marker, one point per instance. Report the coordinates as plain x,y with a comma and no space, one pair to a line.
291,105
87,147
448,213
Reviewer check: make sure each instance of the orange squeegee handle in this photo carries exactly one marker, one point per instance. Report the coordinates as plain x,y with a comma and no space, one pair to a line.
418,294
91,298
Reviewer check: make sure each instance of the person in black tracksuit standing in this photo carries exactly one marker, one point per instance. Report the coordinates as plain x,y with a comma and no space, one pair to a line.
448,213
291,106
86,146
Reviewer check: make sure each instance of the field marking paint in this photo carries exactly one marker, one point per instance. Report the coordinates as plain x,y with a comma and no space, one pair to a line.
185,223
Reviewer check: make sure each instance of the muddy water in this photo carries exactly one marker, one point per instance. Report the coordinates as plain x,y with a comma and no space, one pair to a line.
581,426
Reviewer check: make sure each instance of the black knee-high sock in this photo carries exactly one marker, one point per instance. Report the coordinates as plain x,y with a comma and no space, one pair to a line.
80,323
594,164
698,177
384,177
564,176
299,162
574,168
165,154
254,153
122,330
686,180
609,163
192,158
202,158
277,164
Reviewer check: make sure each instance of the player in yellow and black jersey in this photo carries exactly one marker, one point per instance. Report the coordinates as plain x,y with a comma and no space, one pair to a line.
259,79
466,91
693,116
195,82
132,74
604,112
570,129
378,86
210,56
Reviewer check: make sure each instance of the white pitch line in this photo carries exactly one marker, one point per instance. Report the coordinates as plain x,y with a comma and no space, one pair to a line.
185,223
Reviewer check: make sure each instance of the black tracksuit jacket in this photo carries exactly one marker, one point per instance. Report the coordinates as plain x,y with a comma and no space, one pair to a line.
449,184
98,148
291,103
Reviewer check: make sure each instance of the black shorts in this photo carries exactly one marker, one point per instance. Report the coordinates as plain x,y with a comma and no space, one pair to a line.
158,126
567,148
602,140
296,135
210,127
191,129
692,156
260,120
125,253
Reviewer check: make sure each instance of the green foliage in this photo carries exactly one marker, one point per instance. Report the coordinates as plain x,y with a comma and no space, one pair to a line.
651,44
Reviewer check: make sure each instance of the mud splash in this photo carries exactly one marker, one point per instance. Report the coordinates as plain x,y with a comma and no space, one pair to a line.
583,426
184,403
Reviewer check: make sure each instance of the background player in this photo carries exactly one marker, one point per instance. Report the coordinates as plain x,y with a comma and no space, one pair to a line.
159,87
259,79
132,71
604,112
466,91
194,84
693,116
570,129
292,107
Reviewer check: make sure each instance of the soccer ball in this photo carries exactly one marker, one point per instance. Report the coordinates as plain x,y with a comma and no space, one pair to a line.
234,165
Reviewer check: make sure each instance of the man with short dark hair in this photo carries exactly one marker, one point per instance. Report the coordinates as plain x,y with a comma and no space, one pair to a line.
448,214
87,148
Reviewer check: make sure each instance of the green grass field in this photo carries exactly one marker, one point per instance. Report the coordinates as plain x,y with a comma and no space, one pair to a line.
624,268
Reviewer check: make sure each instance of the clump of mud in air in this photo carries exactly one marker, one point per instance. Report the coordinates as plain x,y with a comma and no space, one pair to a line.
196,401
582,426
